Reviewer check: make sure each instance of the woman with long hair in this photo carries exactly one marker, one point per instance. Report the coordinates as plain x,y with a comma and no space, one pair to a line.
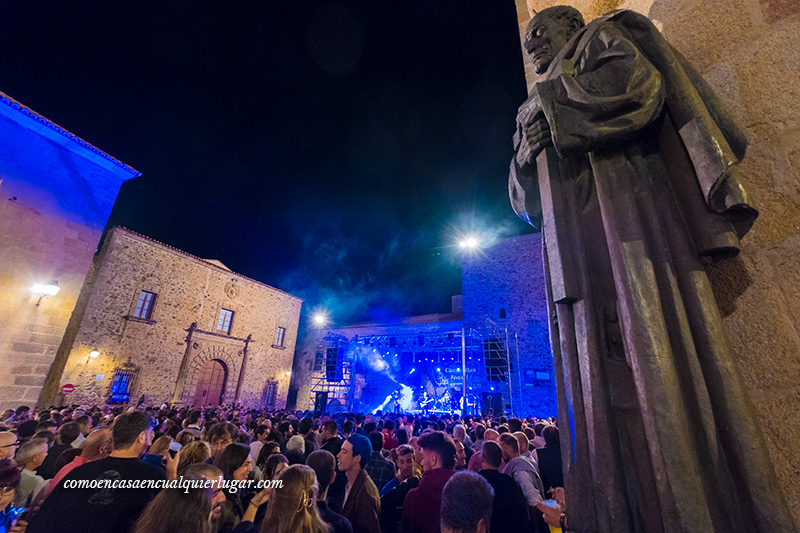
236,464
184,510
194,452
275,464
292,507
161,446
266,451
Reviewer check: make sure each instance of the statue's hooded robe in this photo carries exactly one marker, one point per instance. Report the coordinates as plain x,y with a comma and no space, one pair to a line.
658,433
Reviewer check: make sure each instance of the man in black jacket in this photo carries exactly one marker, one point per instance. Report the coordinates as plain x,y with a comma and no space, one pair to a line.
509,505
324,465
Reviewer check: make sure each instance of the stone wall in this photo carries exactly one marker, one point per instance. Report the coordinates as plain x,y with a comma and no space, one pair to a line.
509,276
749,52
56,193
189,290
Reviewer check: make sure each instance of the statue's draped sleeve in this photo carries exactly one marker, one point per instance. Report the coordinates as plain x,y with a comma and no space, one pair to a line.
607,98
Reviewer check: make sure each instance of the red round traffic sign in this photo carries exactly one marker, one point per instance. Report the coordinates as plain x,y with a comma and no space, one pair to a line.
69,387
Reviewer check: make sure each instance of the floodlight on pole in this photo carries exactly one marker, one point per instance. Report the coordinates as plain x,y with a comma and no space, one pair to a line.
320,319
469,243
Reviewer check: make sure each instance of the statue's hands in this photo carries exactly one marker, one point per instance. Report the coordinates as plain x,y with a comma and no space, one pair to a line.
536,137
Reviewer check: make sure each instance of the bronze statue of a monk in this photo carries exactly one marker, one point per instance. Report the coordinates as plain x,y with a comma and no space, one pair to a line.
627,160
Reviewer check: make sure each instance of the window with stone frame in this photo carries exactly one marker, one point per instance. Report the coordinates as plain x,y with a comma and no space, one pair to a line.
225,320
270,394
280,336
144,305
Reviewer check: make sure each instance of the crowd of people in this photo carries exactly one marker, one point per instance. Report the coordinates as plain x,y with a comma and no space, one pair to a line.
223,470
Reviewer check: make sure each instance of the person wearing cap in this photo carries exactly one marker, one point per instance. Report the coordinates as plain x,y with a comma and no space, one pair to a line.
362,504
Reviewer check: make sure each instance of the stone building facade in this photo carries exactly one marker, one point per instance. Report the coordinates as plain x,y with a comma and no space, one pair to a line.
156,325
57,192
504,290
503,315
749,53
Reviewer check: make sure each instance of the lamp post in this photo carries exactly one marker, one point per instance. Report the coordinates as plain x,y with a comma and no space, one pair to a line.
469,244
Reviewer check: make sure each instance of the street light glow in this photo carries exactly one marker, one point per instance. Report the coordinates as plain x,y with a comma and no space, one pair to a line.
469,243
320,319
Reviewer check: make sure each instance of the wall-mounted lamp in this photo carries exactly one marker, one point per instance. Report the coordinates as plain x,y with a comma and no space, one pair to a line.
288,373
94,354
44,290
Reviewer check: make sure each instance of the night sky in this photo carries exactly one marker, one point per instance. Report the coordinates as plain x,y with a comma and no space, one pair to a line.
331,149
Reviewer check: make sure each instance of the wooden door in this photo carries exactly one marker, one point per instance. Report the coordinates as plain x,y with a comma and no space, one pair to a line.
211,385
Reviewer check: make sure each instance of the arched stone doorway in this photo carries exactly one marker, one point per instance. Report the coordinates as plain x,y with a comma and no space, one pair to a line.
211,384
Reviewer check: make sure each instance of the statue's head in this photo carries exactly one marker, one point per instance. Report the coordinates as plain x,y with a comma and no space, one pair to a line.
548,32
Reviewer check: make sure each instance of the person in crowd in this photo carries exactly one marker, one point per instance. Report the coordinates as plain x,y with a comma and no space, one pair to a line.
29,456
490,435
65,437
185,437
522,471
85,424
276,464
85,510
514,425
259,438
193,453
193,424
8,445
538,440
524,449
21,414
323,463
295,449
394,492
549,459
422,504
292,508
47,425
236,463
461,455
10,519
220,436
191,510
466,504
98,445
389,438
161,445
510,509
330,438
66,457
362,504
479,431
304,430
379,469
460,435
348,428
268,449
402,436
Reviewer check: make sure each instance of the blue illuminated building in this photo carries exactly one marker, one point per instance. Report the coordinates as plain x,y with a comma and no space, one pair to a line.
56,194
